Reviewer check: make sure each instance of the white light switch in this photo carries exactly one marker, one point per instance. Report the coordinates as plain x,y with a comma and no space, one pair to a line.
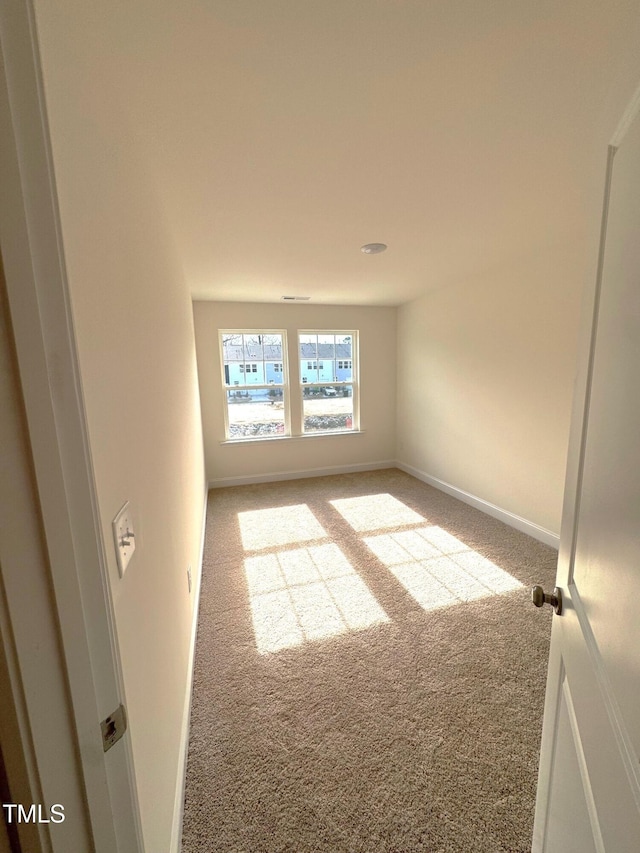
124,537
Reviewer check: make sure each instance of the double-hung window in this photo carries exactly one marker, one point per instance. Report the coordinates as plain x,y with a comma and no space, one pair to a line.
328,382
262,401
255,383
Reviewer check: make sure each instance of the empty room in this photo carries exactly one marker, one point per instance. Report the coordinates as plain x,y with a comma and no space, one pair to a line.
319,336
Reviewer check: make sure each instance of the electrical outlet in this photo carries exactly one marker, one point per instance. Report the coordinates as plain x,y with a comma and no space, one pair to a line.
189,576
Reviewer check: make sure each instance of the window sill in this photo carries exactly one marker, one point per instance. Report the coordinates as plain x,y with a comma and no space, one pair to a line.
306,437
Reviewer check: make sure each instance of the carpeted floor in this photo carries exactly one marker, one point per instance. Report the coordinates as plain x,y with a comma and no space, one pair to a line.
369,675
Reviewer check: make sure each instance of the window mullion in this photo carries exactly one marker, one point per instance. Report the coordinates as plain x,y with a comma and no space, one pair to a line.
295,392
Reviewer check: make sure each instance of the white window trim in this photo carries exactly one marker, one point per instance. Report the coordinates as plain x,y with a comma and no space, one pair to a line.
285,385
354,382
306,437
292,386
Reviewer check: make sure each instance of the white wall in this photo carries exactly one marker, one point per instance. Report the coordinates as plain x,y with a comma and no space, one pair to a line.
486,373
134,325
486,365
377,328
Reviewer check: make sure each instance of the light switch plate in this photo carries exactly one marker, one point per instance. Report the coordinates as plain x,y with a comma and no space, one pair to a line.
124,537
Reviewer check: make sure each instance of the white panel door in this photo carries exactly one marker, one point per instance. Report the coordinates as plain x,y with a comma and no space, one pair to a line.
589,783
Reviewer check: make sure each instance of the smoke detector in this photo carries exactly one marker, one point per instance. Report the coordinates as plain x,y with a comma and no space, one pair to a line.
373,248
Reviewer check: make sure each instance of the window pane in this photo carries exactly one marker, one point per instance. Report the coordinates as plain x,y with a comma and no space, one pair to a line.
253,348
308,370
308,347
344,370
252,374
255,412
270,341
326,346
233,359
327,409
344,346
273,373
249,358
326,370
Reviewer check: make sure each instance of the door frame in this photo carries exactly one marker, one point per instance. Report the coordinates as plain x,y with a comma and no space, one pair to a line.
41,317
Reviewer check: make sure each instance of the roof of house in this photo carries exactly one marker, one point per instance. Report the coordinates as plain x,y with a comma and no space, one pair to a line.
273,352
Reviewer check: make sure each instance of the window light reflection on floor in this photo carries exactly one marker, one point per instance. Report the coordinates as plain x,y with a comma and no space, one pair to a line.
277,526
307,594
375,512
437,569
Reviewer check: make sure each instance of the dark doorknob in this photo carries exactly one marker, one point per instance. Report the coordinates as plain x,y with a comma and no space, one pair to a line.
540,597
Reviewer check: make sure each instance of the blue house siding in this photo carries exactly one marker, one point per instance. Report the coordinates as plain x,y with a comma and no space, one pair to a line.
323,363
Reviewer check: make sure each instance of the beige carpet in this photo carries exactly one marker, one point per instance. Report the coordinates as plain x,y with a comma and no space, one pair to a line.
369,672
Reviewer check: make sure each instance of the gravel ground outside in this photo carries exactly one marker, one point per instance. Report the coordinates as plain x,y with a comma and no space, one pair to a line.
265,418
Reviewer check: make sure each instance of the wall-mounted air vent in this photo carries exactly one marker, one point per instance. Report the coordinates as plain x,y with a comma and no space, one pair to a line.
295,298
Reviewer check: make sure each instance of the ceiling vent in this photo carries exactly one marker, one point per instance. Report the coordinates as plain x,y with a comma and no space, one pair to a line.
295,298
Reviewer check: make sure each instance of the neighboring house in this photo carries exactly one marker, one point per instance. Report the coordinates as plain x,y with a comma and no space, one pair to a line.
262,364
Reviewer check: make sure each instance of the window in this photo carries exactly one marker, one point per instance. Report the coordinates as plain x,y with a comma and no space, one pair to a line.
259,400
328,384
254,383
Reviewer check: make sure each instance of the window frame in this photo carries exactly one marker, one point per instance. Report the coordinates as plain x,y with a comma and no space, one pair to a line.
284,384
354,382
292,383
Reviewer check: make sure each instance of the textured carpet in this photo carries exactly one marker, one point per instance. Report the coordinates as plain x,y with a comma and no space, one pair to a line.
369,672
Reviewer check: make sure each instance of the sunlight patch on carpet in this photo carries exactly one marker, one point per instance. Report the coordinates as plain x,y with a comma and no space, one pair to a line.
307,594
375,512
283,525
437,569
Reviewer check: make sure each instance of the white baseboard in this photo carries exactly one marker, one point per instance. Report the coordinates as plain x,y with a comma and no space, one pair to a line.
222,482
528,527
510,518
178,808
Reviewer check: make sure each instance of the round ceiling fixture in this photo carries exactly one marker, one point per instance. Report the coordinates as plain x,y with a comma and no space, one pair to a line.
373,248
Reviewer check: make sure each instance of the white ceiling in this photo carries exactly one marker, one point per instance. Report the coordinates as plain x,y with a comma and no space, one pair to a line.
281,135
